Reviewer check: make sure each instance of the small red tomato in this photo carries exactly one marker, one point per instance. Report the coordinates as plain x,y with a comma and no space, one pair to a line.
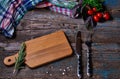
94,9
106,16
90,12
96,18
99,15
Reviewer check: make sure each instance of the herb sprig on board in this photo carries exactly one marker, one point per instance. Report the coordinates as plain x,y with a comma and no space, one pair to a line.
21,59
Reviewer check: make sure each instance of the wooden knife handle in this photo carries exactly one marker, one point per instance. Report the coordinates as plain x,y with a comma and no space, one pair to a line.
10,60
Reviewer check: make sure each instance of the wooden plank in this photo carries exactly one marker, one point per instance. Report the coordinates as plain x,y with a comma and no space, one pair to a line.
112,4
106,74
24,35
106,47
105,64
115,13
21,36
30,23
107,37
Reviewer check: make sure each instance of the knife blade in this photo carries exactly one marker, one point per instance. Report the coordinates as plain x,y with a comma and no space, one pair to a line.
78,54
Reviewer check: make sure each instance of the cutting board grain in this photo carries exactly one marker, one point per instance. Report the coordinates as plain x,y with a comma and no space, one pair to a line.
44,49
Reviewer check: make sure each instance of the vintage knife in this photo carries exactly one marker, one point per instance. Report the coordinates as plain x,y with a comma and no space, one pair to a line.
79,53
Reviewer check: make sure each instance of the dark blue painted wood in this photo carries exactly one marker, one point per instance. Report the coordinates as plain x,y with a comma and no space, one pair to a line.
114,4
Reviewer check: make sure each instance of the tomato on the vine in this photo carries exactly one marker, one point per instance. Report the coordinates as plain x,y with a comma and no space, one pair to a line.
94,9
99,15
106,16
96,18
90,12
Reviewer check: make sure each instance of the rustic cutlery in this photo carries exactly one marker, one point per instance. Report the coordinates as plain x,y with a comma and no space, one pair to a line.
79,53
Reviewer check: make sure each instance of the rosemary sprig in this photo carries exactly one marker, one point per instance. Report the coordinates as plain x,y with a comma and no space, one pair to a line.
21,58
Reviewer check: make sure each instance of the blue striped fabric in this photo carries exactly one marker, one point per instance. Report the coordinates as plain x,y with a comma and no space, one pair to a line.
11,12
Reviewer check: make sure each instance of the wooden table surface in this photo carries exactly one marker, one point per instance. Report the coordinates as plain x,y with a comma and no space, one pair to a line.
36,23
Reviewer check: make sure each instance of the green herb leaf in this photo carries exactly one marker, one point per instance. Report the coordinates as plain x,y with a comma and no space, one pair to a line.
21,58
94,3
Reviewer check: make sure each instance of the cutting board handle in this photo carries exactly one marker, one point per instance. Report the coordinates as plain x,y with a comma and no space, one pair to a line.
10,60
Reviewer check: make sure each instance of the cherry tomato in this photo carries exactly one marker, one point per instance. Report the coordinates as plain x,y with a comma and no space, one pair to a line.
90,12
99,15
106,16
96,18
94,9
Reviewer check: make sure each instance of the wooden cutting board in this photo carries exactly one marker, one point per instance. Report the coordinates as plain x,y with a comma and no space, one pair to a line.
43,50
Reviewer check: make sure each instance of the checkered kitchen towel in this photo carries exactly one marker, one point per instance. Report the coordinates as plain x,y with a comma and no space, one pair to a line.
11,12
70,4
43,4
64,11
73,13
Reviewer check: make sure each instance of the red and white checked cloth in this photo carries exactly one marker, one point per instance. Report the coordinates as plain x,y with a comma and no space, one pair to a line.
64,11
73,13
43,4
